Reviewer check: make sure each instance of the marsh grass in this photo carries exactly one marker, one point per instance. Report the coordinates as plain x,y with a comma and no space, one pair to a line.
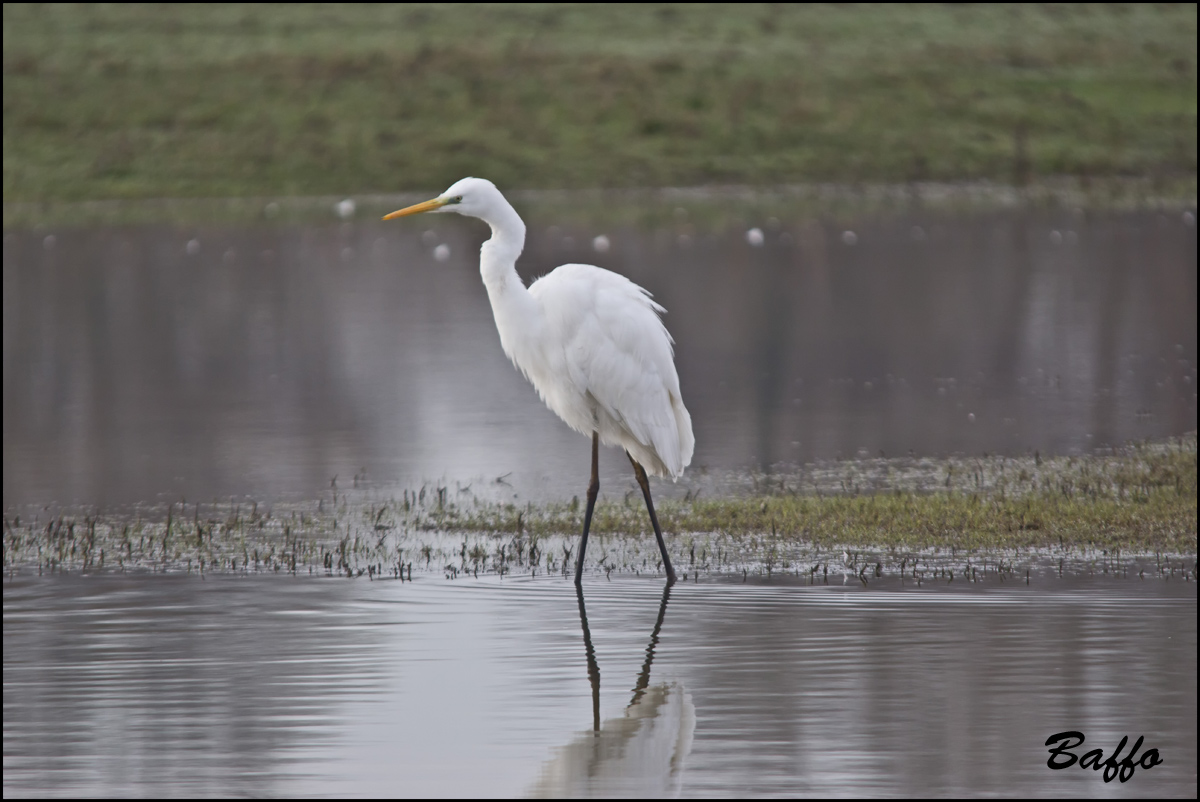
113,101
865,518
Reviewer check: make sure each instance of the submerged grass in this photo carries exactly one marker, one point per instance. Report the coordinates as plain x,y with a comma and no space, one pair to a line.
207,100
856,517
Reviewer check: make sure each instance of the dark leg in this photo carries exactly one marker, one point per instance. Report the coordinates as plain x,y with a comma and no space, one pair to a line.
593,489
640,473
593,666
644,678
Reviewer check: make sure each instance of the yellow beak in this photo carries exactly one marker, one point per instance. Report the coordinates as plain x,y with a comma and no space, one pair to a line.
427,206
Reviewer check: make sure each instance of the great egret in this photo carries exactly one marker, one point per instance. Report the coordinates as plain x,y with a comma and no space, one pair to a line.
592,344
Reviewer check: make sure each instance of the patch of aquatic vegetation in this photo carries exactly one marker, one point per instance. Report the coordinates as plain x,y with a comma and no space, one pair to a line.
1126,512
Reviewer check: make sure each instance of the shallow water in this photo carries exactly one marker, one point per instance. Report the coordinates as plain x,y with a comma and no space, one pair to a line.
172,685
150,363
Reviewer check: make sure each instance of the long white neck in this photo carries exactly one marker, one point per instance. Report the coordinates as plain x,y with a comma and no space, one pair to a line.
519,317
498,256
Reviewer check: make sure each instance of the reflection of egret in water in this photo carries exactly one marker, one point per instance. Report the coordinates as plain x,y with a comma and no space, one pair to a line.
638,754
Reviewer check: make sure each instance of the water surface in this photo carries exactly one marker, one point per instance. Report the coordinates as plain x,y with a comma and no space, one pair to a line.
171,685
150,363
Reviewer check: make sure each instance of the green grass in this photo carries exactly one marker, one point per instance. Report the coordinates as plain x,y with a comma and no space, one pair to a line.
890,515
1142,499
224,101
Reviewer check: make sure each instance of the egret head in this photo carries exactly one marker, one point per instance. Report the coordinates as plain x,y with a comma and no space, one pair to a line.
473,197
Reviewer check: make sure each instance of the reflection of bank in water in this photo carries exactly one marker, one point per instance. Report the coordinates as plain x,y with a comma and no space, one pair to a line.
638,754
273,358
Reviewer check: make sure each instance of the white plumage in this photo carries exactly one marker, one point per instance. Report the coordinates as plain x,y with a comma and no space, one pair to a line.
590,341
605,364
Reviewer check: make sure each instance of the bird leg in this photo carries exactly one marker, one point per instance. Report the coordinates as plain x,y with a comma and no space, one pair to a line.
593,666
644,678
593,490
640,473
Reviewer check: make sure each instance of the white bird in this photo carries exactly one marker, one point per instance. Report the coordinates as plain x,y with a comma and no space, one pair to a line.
591,343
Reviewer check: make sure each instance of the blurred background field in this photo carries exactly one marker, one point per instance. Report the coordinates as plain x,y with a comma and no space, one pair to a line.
211,100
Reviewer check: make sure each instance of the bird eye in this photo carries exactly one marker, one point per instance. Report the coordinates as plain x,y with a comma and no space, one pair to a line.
458,199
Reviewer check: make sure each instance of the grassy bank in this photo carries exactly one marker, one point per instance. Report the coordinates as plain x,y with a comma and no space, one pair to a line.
231,101
889,515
